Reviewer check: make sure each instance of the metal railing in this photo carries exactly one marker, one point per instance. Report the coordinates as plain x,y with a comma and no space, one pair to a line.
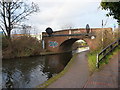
106,51
58,35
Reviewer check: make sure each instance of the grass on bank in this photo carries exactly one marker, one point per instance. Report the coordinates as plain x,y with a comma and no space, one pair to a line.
92,59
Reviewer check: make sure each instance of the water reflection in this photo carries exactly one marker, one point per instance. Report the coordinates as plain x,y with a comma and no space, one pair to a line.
78,50
32,71
56,63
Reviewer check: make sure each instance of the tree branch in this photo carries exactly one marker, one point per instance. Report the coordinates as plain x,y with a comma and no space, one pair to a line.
1,21
4,15
14,3
18,16
3,30
23,17
17,6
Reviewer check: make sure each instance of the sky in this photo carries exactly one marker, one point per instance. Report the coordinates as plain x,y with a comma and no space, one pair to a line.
63,14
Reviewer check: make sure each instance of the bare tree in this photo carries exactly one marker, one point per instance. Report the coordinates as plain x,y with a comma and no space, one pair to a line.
12,13
26,29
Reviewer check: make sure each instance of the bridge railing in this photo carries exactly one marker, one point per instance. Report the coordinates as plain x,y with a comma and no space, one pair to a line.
82,34
106,51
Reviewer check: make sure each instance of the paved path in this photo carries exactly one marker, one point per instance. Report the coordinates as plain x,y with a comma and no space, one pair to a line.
107,77
76,76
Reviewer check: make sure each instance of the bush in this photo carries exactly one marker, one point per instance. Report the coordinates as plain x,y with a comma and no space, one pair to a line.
117,33
108,38
5,43
99,43
21,46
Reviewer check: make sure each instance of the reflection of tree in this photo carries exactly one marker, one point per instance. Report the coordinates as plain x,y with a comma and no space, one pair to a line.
9,79
51,65
56,63
19,72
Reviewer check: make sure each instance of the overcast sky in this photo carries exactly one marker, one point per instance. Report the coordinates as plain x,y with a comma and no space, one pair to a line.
62,14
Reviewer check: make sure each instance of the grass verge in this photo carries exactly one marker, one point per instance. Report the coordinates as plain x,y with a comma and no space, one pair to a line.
92,59
51,80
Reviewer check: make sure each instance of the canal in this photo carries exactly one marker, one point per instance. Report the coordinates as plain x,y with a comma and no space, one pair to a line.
32,71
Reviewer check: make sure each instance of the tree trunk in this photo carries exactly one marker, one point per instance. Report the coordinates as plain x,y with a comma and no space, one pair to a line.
9,33
9,21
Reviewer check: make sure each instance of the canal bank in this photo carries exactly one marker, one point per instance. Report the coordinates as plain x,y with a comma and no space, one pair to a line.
77,75
52,53
53,79
40,54
44,53
74,75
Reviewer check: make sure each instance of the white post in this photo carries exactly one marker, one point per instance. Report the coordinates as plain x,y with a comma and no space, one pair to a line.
69,33
40,36
43,44
97,61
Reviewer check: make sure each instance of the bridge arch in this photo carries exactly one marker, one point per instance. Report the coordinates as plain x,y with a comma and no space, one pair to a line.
67,44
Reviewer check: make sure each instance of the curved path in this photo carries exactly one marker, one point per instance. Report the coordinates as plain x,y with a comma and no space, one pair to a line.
107,76
76,76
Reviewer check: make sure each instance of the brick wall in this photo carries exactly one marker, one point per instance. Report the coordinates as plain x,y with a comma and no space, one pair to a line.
54,43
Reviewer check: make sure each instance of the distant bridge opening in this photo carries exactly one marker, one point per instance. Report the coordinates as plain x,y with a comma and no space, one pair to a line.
79,44
72,44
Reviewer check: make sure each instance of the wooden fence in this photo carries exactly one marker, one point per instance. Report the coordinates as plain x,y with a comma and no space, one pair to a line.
106,51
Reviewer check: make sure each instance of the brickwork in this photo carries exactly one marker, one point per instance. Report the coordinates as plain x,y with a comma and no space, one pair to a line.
64,43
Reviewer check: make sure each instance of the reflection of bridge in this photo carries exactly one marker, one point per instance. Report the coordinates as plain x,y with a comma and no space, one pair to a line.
62,40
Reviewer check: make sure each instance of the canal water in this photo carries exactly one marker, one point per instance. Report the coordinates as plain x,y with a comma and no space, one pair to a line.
32,71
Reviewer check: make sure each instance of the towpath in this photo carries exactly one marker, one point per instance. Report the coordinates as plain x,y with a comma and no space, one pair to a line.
78,75
107,76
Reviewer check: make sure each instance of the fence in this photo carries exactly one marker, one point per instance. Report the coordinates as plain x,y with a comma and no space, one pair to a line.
106,51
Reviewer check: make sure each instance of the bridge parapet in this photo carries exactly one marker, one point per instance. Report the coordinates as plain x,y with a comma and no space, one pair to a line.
55,42
77,31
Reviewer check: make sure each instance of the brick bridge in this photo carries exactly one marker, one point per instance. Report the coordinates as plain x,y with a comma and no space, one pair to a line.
62,40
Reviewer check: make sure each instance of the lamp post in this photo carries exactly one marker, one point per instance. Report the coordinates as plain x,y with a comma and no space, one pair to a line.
87,28
102,33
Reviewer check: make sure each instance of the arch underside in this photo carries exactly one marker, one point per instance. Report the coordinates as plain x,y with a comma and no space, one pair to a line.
67,44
